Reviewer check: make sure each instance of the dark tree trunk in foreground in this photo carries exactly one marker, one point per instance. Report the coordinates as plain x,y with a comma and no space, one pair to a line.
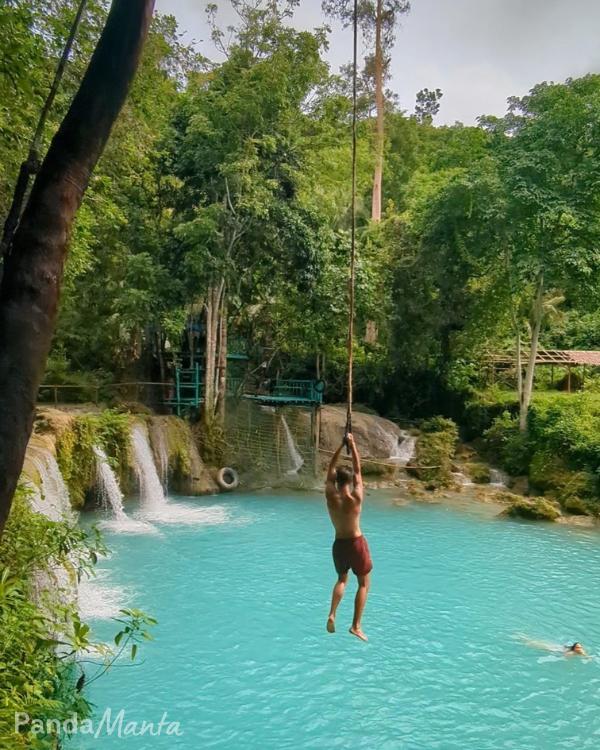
33,270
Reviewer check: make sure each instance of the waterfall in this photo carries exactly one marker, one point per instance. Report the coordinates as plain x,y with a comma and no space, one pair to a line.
153,501
401,445
295,456
55,584
112,499
498,478
53,500
405,450
462,479
161,449
108,485
152,496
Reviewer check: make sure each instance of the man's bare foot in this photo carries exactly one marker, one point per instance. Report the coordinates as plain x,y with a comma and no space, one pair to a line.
359,634
330,624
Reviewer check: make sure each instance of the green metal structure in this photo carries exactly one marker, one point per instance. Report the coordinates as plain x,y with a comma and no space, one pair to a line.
187,391
292,392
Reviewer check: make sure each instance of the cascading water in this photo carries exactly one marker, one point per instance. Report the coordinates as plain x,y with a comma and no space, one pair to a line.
152,496
405,448
154,505
110,492
161,448
296,459
55,583
53,500
112,499
462,479
498,478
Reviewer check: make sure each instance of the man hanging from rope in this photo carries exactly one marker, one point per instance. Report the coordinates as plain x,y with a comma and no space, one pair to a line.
344,493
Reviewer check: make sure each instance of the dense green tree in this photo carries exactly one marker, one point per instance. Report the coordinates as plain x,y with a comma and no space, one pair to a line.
549,161
237,148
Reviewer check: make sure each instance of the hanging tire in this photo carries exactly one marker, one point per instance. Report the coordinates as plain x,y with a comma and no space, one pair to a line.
320,386
228,479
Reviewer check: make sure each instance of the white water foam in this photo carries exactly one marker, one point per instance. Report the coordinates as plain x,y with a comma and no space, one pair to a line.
112,500
177,513
296,460
100,600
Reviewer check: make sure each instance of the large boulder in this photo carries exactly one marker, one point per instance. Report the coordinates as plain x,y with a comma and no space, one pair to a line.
375,436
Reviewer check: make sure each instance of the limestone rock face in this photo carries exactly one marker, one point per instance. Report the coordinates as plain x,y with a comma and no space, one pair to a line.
177,457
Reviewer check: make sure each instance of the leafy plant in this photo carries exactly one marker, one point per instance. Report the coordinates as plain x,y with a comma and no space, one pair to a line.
43,643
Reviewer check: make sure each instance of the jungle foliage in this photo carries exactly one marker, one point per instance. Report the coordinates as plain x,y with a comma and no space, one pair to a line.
40,561
226,188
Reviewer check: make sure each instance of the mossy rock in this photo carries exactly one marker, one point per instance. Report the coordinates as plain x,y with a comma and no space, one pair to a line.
131,407
576,507
75,451
551,474
378,469
478,473
533,509
436,446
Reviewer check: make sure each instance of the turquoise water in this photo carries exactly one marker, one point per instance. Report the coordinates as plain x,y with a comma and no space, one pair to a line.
242,659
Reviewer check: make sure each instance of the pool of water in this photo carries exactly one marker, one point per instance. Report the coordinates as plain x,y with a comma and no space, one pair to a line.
242,660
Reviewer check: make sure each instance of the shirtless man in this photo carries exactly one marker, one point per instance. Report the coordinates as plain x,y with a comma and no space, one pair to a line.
344,493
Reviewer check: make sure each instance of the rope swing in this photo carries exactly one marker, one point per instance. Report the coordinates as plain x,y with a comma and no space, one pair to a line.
351,279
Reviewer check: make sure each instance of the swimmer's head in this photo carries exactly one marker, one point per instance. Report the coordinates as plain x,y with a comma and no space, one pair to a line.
576,648
343,477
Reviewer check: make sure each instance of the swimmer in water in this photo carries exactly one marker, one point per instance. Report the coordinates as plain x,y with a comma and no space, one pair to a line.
574,650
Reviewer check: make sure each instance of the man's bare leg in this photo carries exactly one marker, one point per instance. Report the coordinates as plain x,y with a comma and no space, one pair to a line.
359,604
336,598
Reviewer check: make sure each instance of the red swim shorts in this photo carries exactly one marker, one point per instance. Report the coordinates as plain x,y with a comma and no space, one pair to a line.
352,553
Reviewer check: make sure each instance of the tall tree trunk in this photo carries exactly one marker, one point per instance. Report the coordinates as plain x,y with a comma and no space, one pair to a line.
518,351
519,366
30,290
213,309
380,122
537,316
209,361
222,366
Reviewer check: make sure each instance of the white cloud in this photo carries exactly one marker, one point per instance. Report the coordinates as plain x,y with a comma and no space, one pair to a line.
479,52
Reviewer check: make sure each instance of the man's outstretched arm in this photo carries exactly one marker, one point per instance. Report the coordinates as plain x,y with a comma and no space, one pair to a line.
330,488
358,481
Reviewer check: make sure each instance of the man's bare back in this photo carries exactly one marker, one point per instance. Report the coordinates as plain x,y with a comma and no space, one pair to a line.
344,492
344,510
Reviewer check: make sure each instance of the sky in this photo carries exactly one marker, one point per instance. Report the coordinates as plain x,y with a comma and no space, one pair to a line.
478,52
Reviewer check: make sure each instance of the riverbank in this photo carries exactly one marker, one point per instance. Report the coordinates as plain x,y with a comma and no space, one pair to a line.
89,458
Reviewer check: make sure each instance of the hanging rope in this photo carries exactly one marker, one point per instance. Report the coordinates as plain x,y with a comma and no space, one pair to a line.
351,280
